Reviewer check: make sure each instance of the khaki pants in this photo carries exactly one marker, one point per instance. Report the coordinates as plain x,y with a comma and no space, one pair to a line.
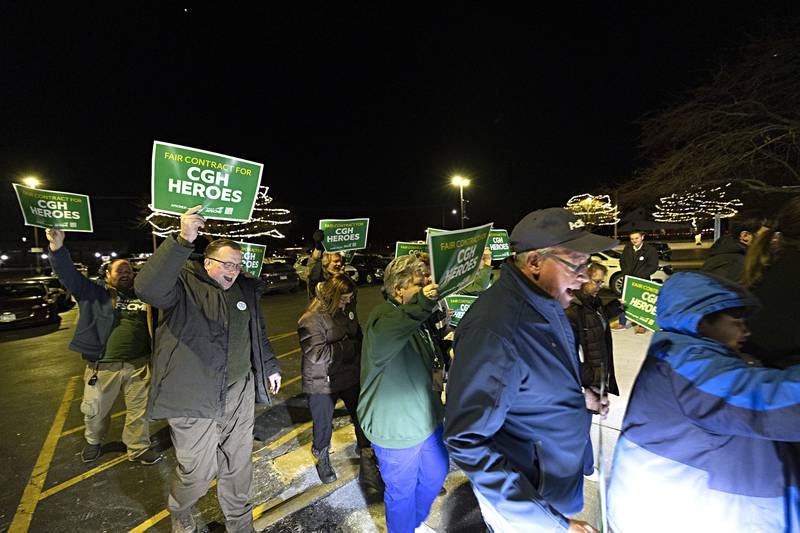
133,378
221,448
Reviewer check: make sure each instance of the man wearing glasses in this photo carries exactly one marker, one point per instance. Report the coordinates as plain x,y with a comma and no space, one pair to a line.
212,363
517,417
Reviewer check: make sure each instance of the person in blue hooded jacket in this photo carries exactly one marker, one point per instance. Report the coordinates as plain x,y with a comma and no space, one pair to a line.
704,439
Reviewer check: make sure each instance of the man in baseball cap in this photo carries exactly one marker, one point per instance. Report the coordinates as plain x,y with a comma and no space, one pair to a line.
517,419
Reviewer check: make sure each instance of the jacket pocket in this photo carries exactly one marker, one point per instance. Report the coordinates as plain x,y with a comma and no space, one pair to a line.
540,464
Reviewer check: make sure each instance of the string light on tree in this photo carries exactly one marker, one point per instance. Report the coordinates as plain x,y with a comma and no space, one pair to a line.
696,205
262,223
594,210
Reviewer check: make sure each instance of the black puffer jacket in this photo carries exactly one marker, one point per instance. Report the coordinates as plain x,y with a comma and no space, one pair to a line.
726,258
589,320
331,350
191,355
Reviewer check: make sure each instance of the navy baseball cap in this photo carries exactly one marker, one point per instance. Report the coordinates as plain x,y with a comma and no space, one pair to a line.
556,226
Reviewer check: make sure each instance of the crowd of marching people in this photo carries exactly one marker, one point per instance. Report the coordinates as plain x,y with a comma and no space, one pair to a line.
709,440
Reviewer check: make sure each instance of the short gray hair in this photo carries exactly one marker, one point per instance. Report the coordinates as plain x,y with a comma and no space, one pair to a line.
521,258
401,271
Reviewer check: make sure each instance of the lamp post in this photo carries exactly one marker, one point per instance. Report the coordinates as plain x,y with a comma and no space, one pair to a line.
33,182
461,182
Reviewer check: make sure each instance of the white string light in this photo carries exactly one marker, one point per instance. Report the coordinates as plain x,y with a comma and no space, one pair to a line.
696,204
594,210
165,224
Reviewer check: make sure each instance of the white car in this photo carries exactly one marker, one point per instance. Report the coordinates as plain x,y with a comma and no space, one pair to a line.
614,279
301,267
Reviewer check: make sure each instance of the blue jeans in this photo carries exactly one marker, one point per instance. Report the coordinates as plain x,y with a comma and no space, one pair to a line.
413,476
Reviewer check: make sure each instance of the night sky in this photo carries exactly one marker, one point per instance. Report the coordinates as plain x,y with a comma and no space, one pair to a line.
364,111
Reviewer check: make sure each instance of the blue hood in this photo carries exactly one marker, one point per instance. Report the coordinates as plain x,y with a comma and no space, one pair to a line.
686,297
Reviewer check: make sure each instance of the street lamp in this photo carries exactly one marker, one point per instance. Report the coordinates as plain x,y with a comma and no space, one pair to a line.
461,182
33,182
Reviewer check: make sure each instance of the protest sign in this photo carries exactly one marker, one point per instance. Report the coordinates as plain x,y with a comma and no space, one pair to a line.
252,258
456,257
350,234
54,209
458,304
499,245
184,177
405,248
640,296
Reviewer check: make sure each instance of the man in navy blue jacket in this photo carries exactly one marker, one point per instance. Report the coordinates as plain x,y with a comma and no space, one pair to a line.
517,419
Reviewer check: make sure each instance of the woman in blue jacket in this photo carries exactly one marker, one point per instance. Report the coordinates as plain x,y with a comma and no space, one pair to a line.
703,444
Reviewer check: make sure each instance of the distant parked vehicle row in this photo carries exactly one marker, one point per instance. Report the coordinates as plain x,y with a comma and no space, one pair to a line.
27,303
615,279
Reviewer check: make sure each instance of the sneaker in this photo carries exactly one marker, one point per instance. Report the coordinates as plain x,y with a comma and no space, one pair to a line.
147,457
183,522
90,452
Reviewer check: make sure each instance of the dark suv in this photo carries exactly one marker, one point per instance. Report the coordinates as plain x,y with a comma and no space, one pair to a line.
24,303
370,267
279,276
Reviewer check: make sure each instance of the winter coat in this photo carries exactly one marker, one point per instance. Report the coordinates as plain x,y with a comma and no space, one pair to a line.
96,302
641,263
191,357
397,407
726,258
331,350
700,446
775,334
589,319
516,420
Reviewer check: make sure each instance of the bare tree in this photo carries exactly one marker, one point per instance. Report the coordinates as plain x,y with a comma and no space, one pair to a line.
743,126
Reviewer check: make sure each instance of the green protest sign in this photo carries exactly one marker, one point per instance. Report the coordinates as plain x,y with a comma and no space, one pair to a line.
499,245
54,209
184,177
458,304
405,248
639,296
456,257
252,258
350,234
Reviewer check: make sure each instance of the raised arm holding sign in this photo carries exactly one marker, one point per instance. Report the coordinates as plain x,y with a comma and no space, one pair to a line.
456,257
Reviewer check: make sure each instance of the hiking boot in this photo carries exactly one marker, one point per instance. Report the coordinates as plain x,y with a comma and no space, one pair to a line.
147,457
183,522
90,452
324,468
368,473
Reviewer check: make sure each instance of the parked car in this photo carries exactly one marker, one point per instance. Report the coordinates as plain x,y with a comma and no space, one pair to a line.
614,278
279,276
301,267
26,303
370,267
664,251
57,289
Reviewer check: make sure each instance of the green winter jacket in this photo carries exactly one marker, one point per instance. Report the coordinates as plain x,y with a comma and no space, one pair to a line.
397,407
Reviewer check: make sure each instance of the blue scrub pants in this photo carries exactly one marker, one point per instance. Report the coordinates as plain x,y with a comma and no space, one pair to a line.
413,476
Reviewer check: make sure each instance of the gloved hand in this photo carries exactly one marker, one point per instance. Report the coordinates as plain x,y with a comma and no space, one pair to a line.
318,237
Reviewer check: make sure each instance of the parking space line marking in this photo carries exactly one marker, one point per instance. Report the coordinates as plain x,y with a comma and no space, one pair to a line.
82,426
89,473
32,492
257,510
281,336
287,353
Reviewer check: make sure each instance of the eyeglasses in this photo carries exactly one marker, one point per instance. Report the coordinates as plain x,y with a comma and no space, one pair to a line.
577,269
234,267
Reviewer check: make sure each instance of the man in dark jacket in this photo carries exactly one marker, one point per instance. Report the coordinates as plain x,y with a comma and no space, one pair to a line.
726,256
639,260
517,418
212,363
113,336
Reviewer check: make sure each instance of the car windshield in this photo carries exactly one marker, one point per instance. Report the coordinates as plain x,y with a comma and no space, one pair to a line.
21,290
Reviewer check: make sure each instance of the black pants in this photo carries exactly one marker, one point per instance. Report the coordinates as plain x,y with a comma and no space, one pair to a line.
321,407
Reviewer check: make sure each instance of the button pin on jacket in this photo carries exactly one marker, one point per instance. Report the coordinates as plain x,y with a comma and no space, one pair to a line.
241,306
